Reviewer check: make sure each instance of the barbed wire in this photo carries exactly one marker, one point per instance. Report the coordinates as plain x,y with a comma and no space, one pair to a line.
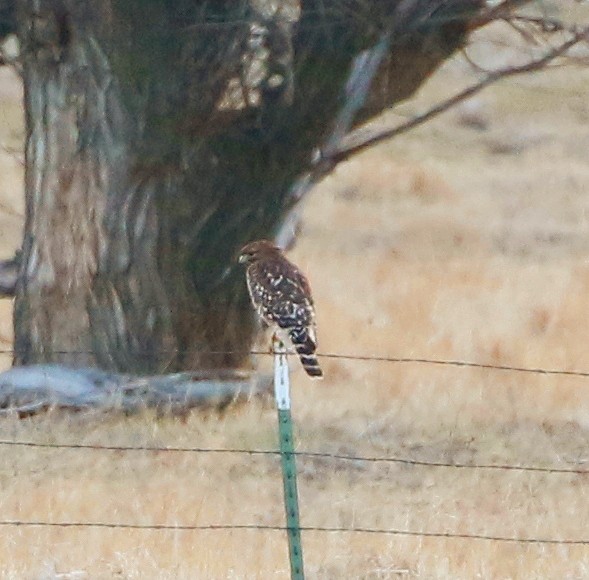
328,455
325,529
457,363
320,455
302,454
338,356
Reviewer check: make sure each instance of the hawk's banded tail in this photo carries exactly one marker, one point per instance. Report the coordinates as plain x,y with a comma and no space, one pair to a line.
303,339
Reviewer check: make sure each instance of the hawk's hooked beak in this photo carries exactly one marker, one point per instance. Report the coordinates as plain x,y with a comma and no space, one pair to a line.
242,258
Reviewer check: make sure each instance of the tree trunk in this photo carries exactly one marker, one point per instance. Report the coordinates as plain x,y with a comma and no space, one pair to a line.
161,136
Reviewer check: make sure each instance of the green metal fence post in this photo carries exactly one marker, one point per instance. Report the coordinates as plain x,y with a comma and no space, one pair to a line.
288,460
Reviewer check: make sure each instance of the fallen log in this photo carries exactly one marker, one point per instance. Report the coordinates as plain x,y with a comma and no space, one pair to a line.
32,389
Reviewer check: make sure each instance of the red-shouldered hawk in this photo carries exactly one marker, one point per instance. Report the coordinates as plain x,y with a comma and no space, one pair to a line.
282,297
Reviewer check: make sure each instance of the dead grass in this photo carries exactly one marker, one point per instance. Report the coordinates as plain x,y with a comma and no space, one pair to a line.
452,242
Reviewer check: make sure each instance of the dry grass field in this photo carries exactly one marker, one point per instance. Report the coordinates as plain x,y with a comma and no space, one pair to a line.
466,239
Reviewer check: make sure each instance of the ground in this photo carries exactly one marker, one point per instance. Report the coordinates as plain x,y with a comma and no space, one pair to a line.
466,239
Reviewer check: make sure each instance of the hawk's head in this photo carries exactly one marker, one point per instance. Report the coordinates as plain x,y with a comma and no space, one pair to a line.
257,250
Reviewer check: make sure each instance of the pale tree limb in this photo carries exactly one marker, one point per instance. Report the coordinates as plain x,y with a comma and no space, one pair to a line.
364,69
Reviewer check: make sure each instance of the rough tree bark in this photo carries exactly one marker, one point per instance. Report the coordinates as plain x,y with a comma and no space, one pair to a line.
161,136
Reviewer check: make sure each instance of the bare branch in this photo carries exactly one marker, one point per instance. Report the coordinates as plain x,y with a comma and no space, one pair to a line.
409,15
326,164
342,142
340,147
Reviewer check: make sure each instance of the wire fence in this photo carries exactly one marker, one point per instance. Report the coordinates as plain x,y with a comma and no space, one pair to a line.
302,454
262,527
341,356
573,470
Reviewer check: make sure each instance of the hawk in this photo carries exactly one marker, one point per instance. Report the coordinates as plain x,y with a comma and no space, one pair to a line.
282,297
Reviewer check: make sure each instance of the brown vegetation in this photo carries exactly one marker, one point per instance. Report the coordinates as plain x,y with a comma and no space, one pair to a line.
462,240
